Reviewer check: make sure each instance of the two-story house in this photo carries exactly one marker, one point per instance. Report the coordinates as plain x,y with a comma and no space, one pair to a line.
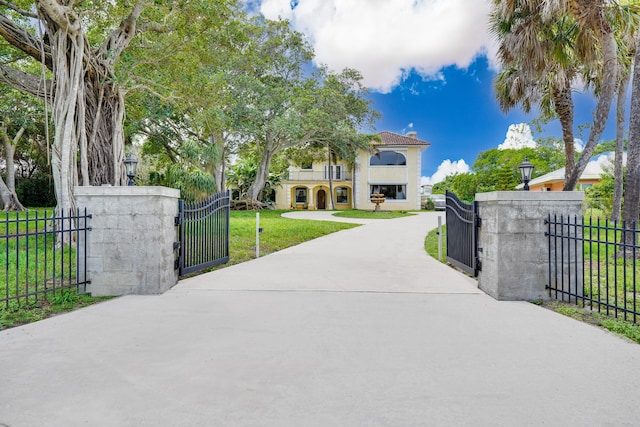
391,167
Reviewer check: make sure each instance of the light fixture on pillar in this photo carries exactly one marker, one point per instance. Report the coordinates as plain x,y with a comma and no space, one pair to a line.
131,166
526,169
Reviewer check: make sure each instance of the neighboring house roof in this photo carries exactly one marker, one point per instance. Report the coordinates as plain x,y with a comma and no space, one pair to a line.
594,170
390,139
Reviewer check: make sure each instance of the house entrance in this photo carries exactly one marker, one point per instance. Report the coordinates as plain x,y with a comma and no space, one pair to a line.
322,199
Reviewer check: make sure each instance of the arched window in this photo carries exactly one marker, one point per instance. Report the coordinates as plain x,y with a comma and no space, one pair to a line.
388,158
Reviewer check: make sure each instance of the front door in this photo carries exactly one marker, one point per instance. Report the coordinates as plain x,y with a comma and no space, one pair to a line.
322,197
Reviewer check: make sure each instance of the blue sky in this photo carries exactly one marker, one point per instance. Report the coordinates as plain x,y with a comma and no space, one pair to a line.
459,115
430,65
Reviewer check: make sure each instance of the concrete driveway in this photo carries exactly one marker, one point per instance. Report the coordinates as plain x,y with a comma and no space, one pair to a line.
358,328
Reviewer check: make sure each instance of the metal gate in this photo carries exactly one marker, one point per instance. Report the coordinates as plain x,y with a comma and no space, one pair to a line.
204,233
462,234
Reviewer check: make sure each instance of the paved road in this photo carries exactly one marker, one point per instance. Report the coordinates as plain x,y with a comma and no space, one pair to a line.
358,328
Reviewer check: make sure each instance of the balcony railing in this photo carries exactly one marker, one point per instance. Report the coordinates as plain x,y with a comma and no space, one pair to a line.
319,176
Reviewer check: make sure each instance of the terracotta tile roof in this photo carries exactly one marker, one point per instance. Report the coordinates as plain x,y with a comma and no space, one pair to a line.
393,139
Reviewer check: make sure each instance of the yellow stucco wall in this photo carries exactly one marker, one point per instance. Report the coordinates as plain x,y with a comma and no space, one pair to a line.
285,195
391,175
358,189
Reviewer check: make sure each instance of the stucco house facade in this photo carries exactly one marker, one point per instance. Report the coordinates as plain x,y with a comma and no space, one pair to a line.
392,167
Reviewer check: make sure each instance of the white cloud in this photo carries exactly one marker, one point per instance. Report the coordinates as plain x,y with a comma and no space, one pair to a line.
518,136
274,9
445,169
385,39
578,144
603,162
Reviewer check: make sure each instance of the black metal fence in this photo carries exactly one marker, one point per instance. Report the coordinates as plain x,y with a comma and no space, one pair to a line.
595,264
204,233
462,231
42,255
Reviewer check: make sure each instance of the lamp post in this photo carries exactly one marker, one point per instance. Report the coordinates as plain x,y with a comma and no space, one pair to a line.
130,165
526,169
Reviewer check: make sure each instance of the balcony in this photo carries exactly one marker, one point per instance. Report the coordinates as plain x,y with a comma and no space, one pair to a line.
309,175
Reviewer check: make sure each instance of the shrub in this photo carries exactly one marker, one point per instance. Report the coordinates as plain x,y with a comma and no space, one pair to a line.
36,191
429,205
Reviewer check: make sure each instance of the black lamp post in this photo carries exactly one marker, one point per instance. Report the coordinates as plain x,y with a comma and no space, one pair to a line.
131,166
526,169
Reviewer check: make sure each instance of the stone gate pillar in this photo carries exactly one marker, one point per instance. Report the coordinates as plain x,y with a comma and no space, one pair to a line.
513,248
130,246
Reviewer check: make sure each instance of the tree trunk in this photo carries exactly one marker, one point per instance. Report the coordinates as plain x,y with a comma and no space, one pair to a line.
9,198
607,92
218,162
563,104
87,103
88,112
617,170
10,150
631,209
262,174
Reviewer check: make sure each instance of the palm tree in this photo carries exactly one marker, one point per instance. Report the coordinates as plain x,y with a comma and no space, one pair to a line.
626,20
632,191
529,36
540,65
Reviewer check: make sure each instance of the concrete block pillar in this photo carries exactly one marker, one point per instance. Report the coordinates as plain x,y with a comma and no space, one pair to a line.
513,248
130,245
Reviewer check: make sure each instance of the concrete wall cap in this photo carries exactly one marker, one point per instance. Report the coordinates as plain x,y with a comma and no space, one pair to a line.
126,191
534,196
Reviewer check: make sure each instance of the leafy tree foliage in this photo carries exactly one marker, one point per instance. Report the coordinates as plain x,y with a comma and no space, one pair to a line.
498,170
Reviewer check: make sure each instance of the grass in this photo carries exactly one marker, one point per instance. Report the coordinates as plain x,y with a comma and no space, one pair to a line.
61,301
431,243
617,326
608,275
353,213
31,292
278,233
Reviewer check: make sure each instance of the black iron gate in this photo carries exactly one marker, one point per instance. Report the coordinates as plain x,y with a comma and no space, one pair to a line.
204,233
462,234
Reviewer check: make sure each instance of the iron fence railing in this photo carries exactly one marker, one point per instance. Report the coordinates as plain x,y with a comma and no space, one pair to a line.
42,255
595,264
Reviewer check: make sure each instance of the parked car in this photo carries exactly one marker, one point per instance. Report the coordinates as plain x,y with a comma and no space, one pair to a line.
439,201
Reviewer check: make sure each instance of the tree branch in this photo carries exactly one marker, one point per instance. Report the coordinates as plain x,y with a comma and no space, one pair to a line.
62,16
25,82
17,9
120,38
20,38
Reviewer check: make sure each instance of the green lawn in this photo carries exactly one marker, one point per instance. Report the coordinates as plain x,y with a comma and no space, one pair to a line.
278,233
45,291
431,243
